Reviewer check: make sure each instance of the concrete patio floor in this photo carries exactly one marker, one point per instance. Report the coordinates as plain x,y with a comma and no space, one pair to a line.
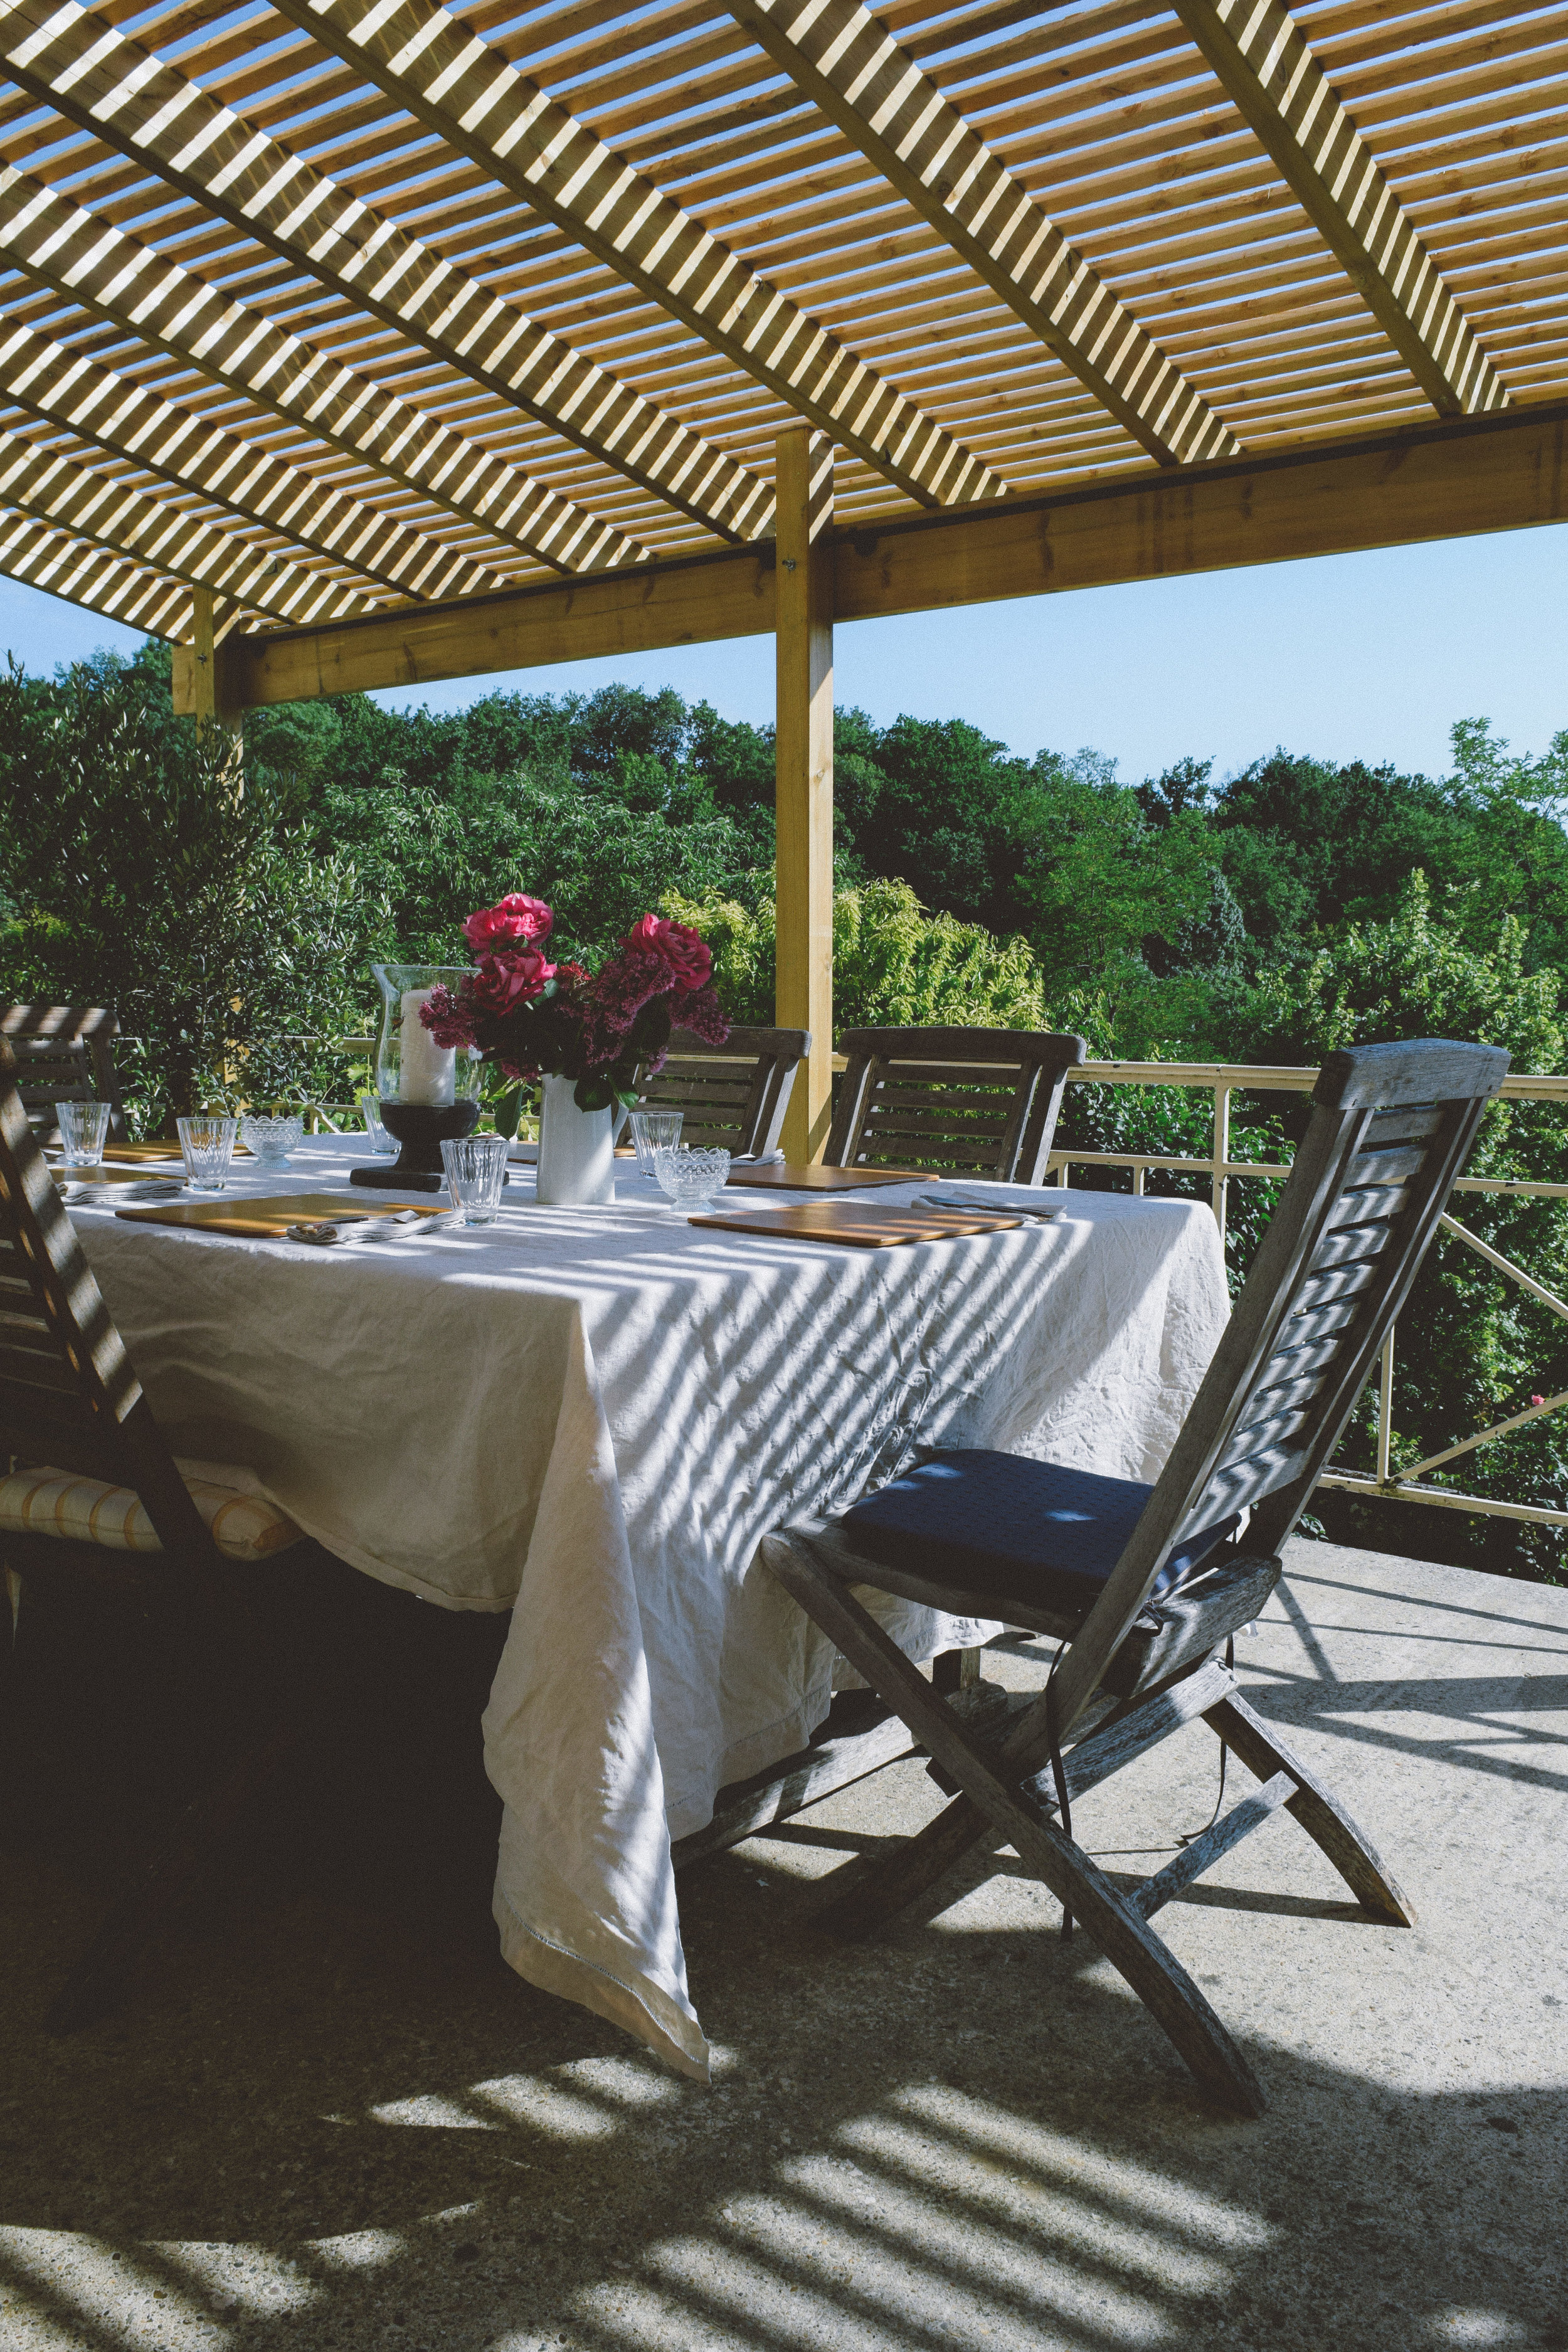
326,2115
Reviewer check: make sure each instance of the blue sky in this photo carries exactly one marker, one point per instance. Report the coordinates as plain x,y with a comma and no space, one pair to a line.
1369,655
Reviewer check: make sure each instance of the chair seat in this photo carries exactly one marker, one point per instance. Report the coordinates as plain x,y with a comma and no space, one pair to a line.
77,1509
1002,1525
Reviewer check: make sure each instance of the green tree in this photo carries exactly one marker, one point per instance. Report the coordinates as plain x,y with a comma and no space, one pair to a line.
1100,881
142,874
435,856
893,964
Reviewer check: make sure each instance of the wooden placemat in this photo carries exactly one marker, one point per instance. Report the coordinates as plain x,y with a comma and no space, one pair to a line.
794,1176
266,1220
104,1174
137,1153
872,1225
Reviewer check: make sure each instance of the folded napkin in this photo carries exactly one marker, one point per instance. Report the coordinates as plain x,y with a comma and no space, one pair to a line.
84,1191
324,1232
981,1201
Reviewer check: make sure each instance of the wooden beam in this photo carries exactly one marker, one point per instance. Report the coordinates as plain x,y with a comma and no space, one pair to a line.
76,61
849,64
1434,481
465,91
803,624
163,537
82,574
129,421
83,256
1280,91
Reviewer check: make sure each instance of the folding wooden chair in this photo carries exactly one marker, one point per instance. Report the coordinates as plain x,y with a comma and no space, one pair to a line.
979,1101
733,1095
1144,1586
63,1055
91,1491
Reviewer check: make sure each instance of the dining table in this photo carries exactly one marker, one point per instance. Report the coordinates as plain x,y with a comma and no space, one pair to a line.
588,1417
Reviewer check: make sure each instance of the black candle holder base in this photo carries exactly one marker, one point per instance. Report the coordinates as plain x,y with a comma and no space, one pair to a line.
421,1129
386,1179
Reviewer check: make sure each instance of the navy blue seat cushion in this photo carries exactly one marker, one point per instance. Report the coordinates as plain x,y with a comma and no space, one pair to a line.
1013,1529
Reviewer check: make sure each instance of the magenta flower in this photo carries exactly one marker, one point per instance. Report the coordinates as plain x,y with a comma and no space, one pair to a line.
689,959
510,919
448,1021
528,1017
508,980
704,1016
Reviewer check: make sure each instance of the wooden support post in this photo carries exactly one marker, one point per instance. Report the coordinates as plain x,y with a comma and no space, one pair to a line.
204,677
803,620
208,706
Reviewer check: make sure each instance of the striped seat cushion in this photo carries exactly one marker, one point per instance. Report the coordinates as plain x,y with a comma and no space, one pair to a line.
245,1523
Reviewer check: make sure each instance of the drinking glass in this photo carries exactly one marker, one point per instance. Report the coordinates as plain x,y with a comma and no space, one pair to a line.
687,1177
476,1170
653,1131
83,1126
370,1111
207,1145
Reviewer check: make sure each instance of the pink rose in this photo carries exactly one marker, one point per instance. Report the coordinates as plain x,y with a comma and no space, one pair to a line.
504,981
516,917
690,959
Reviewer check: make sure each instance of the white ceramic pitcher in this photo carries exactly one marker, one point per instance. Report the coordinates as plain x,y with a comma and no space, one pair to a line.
576,1150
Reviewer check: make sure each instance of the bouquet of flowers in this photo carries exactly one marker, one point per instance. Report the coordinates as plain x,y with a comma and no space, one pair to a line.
537,1019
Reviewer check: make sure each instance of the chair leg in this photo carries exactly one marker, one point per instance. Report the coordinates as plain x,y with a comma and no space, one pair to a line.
1122,1934
155,1890
955,1670
1109,1734
1321,1814
916,1866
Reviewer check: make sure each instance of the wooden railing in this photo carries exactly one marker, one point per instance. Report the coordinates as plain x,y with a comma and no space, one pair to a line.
1222,1079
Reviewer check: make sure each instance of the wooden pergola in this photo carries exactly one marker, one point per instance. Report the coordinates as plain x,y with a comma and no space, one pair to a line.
355,344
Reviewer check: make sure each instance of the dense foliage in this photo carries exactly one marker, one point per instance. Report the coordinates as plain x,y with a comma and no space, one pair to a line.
139,868
231,913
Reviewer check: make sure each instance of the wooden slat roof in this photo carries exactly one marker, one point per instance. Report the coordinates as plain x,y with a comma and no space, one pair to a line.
490,296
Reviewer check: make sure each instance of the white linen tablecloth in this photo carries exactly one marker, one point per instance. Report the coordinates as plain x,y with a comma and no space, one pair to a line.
591,1416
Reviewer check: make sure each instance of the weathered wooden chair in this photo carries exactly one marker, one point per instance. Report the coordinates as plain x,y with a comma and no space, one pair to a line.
980,1102
1146,1586
63,1054
91,1491
733,1095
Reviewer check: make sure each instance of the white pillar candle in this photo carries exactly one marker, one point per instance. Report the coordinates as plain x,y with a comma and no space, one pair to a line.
428,1073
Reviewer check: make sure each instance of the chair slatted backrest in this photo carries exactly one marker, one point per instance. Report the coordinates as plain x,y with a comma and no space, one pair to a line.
1391,1130
983,1102
732,1095
64,1054
69,1397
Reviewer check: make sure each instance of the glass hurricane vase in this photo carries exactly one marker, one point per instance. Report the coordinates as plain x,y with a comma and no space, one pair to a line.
410,1067
427,1093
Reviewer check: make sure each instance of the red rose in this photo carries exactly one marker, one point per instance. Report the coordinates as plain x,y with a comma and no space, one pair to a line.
516,917
504,981
690,959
